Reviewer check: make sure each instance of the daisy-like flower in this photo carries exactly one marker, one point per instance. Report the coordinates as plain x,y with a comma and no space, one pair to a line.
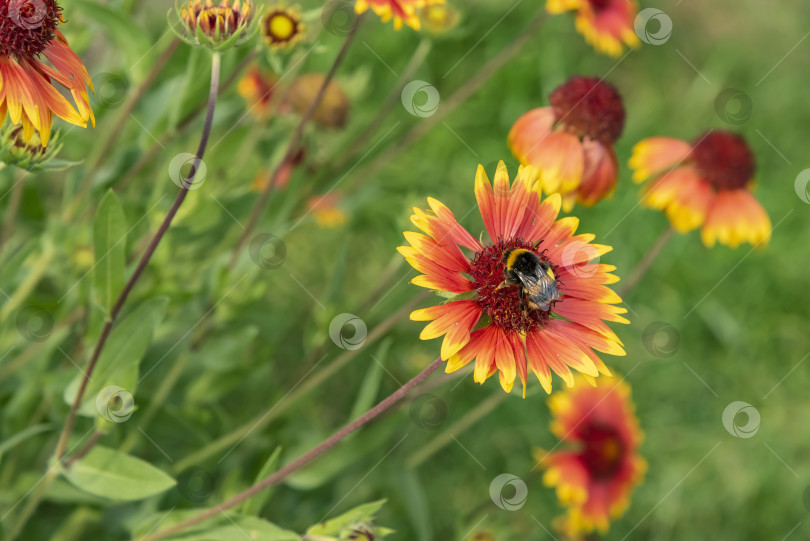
485,319
400,10
282,27
257,88
217,27
606,24
705,183
570,143
595,478
27,85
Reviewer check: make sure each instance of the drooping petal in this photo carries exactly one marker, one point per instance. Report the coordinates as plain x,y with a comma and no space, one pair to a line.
734,217
600,173
657,155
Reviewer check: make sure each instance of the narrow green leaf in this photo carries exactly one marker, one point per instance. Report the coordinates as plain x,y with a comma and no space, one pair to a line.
118,364
109,245
253,506
22,435
117,476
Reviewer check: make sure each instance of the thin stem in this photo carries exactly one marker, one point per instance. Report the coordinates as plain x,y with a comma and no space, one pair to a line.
305,459
470,87
292,147
150,250
91,442
309,384
644,265
391,100
11,211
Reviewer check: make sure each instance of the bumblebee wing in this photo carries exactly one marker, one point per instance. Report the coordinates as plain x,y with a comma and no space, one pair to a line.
540,289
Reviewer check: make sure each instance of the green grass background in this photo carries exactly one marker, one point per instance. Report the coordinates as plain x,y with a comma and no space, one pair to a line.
741,317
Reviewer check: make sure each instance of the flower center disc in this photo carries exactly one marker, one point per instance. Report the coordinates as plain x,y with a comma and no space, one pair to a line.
27,26
590,107
503,305
724,160
603,450
600,5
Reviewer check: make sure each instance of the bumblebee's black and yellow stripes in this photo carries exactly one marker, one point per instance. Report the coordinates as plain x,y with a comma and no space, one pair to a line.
533,276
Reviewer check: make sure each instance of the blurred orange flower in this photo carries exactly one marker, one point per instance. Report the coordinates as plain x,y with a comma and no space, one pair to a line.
258,88
705,183
327,210
27,91
606,24
570,143
400,10
487,319
595,478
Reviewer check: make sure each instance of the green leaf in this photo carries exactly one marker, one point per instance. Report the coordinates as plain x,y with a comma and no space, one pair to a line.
230,526
23,435
130,38
253,506
117,476
118,363
109,245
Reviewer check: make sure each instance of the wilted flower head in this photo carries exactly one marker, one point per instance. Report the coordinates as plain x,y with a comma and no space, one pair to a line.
606,24
216,27
282,28
28,95
332,112
704,183
399,10
570,143
488,317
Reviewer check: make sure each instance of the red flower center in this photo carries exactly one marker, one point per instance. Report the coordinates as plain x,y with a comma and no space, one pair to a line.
600,5
589,107
603,450
27,26
502,305
723,159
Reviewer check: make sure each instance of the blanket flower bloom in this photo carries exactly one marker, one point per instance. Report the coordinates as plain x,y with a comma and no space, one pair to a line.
570,143
705,183
488,322
215,27
594,480
399,10
606,24
28,95
282,28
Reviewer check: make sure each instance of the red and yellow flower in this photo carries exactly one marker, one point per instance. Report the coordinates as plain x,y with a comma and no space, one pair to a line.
399,10
327,209
258,88
484,321
27,92
606,24
570,143
705,183
282,27
595,478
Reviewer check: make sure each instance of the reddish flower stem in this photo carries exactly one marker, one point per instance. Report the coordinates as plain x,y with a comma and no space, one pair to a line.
292,147
303,460
150,250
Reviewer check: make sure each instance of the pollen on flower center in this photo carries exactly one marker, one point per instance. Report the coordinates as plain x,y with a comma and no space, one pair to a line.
603,450
503,305
590,107
27,26
723,159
